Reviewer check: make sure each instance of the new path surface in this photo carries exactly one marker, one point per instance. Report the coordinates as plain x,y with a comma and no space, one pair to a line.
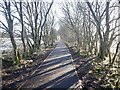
57,71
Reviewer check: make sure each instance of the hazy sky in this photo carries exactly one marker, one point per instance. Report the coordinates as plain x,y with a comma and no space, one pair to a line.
55,8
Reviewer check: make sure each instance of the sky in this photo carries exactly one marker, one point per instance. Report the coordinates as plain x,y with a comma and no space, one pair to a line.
55,8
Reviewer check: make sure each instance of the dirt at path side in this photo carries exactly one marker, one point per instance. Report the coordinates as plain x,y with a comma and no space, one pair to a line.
16,76
84,70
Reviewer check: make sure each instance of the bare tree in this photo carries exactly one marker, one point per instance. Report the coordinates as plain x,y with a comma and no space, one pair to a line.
37,13
20,12
9,27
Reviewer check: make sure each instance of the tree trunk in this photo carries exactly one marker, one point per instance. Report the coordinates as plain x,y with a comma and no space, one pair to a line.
22,32
10,31
106,36
101,46
16,58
